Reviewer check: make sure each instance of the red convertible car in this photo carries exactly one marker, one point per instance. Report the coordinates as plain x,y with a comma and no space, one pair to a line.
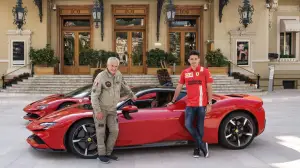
233,122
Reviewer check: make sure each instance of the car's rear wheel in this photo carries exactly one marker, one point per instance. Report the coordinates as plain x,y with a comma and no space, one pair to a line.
82,140
237,131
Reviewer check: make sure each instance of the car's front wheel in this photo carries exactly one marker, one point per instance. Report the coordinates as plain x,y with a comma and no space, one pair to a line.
82,140
237,131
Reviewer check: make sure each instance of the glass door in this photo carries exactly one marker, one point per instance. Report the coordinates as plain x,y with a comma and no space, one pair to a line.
183,38
131,51
75,61
69,40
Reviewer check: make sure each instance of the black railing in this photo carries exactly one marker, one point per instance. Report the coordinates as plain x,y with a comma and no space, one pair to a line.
4,75
257,75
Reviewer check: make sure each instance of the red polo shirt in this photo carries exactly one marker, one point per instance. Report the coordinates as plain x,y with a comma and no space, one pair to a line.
196,85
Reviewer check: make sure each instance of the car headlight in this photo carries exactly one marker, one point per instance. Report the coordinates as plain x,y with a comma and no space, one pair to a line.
47,125
42,107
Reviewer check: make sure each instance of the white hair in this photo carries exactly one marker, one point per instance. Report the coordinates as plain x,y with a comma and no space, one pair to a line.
112,59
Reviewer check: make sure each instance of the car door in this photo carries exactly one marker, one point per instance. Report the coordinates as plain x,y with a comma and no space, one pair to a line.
150,125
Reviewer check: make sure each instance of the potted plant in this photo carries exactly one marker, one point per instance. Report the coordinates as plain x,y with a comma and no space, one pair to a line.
217,62
156,60
44,60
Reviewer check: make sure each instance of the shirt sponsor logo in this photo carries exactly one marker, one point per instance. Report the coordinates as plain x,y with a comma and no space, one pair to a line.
195,82
189,75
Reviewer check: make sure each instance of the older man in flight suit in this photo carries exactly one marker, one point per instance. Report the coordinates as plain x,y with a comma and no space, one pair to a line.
105,95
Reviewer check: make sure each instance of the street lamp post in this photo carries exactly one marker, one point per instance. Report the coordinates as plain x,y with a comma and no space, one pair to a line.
19,14
246,13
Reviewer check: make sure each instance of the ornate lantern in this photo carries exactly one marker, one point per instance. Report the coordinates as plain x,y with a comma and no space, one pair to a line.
97,12
19,14
246,13
171,11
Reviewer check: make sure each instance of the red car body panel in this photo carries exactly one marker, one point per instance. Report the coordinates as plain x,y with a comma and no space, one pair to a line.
155,125
52,103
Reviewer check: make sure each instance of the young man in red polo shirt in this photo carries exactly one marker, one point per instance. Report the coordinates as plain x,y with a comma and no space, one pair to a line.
198,81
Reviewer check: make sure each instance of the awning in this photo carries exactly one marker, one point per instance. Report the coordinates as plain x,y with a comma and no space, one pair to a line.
289,26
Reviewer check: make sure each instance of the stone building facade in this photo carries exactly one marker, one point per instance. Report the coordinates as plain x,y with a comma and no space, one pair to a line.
140,25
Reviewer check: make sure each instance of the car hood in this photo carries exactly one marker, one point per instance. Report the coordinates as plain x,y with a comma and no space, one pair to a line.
48,99
73,110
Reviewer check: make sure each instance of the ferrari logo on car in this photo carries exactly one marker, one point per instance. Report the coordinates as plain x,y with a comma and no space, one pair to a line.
89,139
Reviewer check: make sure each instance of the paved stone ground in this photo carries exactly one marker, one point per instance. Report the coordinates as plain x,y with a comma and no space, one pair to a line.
278,146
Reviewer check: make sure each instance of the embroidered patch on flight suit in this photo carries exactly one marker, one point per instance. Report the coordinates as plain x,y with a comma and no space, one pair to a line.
94,90
108,84
96,83
101,125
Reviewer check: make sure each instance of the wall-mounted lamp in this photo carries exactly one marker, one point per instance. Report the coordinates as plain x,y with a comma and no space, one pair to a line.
246,13
272,4
19,14
98,15
205,7
170,11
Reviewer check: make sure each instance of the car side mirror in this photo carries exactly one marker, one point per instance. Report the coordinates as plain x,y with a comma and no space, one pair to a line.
127,110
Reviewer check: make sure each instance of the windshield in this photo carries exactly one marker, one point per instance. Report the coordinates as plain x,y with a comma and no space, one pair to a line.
80,92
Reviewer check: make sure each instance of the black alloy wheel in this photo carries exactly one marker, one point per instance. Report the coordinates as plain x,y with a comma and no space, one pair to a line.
237,131
82,139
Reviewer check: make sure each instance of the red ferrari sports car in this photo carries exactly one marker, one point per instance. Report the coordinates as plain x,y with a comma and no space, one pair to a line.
47,105
233,122
41,108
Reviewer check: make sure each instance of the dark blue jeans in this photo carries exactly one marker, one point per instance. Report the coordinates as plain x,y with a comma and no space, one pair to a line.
190,115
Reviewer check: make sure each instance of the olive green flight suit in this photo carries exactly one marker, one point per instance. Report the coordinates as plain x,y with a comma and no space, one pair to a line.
104,98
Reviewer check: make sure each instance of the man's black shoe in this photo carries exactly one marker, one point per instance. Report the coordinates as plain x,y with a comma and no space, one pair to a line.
204,149
196,153
112,157
103,159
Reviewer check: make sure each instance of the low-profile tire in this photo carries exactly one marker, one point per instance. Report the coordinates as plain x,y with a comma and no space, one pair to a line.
82,140
64,105
237,131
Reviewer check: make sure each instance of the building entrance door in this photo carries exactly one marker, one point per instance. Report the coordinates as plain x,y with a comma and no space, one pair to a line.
130,48
130,37
74,61
76,35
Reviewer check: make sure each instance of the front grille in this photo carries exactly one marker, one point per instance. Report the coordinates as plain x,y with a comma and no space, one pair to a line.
34,116
37,139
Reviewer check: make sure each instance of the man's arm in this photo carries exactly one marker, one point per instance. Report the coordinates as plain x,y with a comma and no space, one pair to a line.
179,86
209,81
177,91
209,92
95,94
126,88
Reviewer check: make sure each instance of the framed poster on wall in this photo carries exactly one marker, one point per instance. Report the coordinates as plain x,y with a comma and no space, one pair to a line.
242,52
18,57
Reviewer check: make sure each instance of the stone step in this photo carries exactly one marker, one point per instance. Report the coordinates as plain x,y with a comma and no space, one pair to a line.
52,84
26,84
66,91
125,76
73,86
